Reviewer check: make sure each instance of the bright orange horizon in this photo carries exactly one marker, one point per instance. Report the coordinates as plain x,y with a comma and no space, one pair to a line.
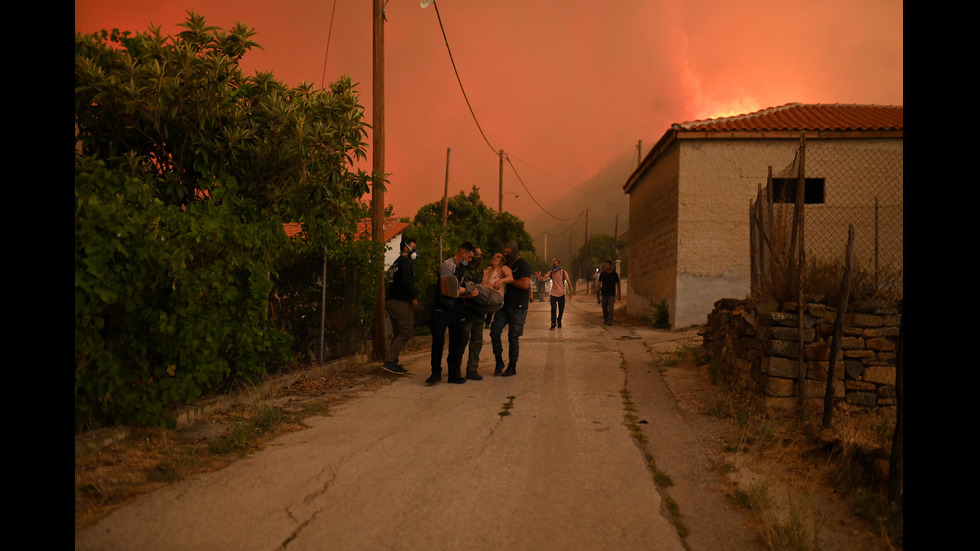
565,88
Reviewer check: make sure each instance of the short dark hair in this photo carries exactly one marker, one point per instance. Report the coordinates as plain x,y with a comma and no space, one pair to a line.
467,246
408,241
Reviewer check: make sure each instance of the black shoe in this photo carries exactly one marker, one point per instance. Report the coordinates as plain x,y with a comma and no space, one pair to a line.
559,325
511,370
552,327
433,379
499,368
394,368
474,376
456,379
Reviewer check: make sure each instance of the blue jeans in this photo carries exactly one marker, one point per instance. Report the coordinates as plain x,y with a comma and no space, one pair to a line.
559,304
608,302
514,320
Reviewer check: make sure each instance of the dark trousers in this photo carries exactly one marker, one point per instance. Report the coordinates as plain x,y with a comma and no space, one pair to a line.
473,332
453,320
402,316
514,320
557,303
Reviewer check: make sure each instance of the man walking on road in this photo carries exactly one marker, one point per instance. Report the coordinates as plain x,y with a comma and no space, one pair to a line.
513,314
609,290
447,313
560,286
400,303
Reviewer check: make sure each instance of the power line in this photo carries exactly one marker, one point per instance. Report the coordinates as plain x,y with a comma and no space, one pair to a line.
323,78
492,148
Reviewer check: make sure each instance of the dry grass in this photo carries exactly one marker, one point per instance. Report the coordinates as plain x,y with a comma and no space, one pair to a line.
112,471
806,488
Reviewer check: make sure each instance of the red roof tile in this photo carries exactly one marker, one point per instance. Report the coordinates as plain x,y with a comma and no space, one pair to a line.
807,117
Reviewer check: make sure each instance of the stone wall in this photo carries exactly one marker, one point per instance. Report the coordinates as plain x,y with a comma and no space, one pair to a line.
754,347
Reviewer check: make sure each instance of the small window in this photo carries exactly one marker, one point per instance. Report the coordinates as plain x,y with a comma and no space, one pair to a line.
784,190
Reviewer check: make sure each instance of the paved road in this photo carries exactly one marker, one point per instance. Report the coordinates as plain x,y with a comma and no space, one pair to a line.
414,467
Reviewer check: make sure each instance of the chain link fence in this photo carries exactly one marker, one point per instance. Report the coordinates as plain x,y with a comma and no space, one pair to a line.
315,301
843,186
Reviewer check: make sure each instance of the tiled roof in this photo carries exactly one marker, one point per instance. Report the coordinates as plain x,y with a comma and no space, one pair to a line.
391,225
392,228
808,117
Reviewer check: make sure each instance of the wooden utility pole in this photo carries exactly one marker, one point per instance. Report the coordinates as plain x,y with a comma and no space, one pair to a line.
616,239
639,152
445,193
588,245
500,203
378,193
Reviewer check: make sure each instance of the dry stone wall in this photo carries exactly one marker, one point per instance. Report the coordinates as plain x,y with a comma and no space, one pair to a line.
755,347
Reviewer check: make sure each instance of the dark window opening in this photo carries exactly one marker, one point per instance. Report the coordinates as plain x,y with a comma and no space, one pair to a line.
784,190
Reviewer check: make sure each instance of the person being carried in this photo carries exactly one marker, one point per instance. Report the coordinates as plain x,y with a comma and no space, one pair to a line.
489,297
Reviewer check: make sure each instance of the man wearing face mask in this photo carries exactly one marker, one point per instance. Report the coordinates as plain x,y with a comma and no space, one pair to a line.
447,314
560,286
513,313
473,327
400,303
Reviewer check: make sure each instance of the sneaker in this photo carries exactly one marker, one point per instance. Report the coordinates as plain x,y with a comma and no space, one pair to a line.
452,286
394,368
456,380
552,327
474,376
559,325
433,379
510,371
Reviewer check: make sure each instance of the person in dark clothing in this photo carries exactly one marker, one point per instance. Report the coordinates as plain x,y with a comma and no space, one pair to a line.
400,303
473,326
609,289
447,314
513,314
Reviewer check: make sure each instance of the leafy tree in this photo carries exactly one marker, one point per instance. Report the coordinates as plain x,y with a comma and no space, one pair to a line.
185,170
591,256
468,219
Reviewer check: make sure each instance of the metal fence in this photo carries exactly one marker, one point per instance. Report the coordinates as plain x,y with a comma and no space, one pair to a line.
315,301
843,186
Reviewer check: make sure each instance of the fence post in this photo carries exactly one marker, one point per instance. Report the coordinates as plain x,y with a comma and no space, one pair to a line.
835,344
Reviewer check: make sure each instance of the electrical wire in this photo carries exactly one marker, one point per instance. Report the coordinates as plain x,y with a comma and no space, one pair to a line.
492,148
323,78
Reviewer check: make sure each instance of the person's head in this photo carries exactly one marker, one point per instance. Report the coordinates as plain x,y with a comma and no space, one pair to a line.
409,248
511,251
477,255
555,263
465,253
609,266
497,260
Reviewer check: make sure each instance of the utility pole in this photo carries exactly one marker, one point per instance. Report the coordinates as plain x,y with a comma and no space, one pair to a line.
616,239
588,244
639,152
445,193
377,193
500,203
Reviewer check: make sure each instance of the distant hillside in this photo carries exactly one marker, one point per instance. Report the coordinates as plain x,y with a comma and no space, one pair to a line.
602,195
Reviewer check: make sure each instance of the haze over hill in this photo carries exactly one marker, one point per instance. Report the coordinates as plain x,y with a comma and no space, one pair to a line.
602,194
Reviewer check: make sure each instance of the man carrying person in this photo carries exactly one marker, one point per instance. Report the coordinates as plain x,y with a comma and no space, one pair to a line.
400,303
513,313
447,314
473,326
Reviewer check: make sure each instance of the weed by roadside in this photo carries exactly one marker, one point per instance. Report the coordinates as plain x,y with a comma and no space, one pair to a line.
147,459
794,478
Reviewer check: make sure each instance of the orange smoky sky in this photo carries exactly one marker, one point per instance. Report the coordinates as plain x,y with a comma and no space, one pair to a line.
564,87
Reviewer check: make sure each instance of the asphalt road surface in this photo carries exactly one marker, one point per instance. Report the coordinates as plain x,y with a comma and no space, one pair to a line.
418,467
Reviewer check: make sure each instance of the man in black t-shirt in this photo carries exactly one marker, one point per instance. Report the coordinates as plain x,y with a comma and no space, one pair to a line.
513,314
609,291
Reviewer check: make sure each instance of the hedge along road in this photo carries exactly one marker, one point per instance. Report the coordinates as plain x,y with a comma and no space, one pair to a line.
543,460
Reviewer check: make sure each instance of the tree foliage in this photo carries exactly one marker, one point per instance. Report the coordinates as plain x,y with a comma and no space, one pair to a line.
594,254
185,170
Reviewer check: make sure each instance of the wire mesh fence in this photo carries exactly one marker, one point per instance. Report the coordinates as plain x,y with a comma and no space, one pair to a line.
315,301
843,186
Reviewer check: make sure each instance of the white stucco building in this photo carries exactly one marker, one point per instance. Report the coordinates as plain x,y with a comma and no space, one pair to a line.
689,197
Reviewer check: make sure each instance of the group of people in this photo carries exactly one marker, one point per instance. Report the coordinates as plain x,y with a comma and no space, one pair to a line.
469,298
